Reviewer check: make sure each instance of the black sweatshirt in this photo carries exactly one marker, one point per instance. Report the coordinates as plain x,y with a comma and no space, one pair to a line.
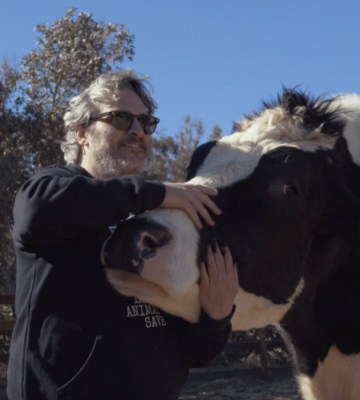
75,337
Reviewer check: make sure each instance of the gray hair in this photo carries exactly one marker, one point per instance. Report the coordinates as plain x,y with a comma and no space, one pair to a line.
102,90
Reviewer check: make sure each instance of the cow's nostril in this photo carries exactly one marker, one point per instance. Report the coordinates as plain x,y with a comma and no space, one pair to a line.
153,239
150,242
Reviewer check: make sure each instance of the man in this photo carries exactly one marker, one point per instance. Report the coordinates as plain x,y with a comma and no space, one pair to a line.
75,337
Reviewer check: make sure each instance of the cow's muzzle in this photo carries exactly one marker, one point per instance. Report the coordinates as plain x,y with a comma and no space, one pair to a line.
132,243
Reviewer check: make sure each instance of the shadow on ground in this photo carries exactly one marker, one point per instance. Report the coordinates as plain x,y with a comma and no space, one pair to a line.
240,384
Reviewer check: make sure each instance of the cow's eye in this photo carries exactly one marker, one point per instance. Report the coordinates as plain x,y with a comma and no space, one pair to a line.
281,189
290,190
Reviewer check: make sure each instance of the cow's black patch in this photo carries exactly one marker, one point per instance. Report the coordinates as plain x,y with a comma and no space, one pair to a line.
198,158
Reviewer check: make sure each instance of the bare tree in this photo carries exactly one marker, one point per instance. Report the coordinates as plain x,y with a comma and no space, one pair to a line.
172,154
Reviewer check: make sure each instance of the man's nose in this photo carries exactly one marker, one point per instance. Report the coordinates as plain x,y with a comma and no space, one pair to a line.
136,128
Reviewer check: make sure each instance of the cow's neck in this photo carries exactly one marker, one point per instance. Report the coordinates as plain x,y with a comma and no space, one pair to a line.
337,378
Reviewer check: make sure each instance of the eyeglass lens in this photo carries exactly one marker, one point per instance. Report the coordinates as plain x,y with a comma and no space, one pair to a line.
124,121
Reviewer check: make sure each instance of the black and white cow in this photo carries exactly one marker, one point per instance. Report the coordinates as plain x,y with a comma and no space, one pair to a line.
289,188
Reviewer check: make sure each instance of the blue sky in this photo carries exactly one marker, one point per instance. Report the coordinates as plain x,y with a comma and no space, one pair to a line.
216,59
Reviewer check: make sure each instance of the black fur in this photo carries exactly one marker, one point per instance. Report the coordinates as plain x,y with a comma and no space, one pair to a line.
198,158
297,216
318,111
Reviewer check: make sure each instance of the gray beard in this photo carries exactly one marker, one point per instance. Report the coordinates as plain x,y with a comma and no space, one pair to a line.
108,165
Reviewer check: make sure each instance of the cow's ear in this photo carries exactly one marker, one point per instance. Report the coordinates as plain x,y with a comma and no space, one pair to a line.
198,158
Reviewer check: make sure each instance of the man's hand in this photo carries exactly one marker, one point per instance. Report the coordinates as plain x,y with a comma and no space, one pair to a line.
219,283
193,199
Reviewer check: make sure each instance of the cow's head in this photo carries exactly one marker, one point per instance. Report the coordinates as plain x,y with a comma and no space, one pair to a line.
287,210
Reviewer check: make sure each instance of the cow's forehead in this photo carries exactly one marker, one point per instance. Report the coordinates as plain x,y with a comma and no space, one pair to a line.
236,156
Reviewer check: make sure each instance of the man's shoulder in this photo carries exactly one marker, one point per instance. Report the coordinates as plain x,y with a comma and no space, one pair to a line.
53,172
61,171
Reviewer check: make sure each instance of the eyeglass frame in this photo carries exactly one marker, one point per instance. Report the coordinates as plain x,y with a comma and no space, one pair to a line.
140,118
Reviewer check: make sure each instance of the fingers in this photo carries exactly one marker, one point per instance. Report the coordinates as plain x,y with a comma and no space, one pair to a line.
219,282
203,194
219,261
212,262
236,275
220,266
228,260
200,203
198,207
204,275
194,200
193,214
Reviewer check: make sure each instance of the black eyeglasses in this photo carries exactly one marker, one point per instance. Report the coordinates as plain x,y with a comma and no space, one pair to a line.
123,120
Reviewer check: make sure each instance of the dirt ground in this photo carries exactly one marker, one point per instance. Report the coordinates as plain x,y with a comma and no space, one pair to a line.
240,384
232,384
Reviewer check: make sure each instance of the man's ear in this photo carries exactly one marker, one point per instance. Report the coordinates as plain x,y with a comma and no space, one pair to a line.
81,137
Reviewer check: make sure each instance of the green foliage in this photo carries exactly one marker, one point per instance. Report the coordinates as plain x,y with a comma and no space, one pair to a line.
9,77
12,168
71,52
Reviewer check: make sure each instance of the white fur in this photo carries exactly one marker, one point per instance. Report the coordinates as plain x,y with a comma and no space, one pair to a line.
337,378
351,104
169,278
186,306
257,312
174,267
235,156
352,135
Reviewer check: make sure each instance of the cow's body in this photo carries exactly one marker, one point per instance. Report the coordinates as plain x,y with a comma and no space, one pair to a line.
289,189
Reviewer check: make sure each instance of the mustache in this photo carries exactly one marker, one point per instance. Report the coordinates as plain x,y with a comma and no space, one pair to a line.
132,140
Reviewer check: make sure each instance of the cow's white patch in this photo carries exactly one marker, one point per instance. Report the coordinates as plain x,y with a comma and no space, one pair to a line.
235,156
257,312
227,163
352,136
186,306
337,378
169,276
174,265
351,105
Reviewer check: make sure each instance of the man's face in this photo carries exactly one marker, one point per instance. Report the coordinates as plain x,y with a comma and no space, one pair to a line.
111,152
